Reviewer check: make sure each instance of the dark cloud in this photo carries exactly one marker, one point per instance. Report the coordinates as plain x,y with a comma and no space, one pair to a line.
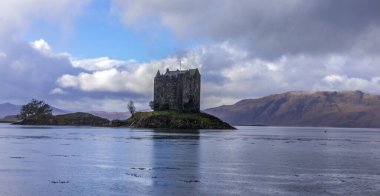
27,72
267,28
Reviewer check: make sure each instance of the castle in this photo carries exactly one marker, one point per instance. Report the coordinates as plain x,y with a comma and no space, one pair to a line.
177,90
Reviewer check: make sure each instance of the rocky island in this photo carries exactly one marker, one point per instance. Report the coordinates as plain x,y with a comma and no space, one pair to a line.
173,120
176,104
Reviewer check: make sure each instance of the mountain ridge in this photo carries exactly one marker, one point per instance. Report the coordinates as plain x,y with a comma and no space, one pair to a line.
297,108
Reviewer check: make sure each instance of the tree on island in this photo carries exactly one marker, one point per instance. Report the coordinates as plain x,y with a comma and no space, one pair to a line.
35,108
131,108
151,105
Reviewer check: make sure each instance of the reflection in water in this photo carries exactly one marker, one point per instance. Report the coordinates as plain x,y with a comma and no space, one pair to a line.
248,161
175,160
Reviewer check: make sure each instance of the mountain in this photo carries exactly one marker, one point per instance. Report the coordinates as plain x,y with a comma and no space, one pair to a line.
327,109
111,115
8,109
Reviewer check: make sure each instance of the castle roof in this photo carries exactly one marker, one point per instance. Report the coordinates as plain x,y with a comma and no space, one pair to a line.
180,72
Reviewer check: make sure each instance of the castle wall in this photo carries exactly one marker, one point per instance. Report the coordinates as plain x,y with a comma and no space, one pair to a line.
165,93
177,91
191,93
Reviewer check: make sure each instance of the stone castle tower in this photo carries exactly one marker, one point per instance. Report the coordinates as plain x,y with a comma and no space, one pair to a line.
177,90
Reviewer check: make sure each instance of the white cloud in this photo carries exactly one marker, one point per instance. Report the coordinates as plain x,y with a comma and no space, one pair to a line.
99,64
57,91
132,78
42,46
334,79
345,83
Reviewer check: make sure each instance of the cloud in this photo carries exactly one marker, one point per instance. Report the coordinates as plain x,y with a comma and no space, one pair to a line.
343,82
259,47
17,16
99,64
29,70
229,74
132,78
58,91
42,46
266,28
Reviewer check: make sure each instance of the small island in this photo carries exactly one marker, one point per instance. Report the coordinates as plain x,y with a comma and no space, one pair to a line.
171,119
176,105
73,119
40,113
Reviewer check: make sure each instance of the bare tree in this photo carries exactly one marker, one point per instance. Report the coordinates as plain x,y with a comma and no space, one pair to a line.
131,108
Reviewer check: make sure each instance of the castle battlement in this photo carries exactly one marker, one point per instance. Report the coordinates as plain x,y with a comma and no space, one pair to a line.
177,90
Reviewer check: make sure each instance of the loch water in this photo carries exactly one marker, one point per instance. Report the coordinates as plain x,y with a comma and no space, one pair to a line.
50,160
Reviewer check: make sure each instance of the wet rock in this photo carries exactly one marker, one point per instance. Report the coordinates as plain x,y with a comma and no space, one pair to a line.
191,181
59,182
133,175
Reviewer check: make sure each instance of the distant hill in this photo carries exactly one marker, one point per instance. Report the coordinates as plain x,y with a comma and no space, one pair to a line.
8,109
111,115
330,109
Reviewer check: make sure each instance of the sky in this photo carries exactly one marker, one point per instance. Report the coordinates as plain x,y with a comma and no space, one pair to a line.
96,55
